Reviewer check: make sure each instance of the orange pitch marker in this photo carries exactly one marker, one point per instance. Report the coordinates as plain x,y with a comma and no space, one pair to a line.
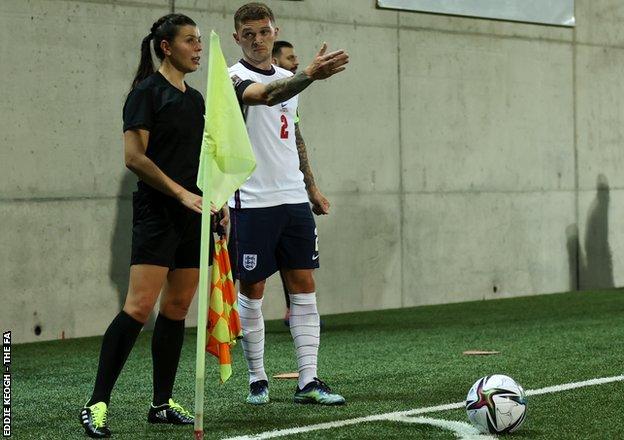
286,376
480,352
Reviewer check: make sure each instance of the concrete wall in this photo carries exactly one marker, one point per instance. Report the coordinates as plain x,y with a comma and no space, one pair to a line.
464,158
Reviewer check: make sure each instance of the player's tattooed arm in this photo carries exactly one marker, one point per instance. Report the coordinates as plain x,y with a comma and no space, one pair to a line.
323,66
277,91
320,204
284,89
304,163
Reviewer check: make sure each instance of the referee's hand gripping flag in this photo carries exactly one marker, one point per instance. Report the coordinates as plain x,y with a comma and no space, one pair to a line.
226,161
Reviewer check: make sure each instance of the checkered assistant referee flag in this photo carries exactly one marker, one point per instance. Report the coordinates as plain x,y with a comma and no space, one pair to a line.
224,326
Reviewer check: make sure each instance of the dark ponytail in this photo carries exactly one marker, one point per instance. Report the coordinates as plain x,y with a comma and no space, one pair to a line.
165,28
146,65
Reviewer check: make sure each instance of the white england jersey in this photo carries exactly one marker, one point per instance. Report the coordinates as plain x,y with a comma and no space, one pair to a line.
276,179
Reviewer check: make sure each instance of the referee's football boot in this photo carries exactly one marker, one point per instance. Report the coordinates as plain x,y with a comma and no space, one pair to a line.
318,392
171,413
93,420
258,393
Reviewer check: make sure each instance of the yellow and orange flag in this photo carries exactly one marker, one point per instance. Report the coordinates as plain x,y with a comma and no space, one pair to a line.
224,326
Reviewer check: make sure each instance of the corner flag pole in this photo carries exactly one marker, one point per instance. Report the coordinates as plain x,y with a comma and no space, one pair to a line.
202,315
226,161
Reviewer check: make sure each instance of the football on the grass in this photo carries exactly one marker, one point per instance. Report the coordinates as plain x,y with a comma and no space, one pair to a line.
496,404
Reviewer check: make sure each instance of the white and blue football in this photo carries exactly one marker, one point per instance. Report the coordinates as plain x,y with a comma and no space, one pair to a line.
496,404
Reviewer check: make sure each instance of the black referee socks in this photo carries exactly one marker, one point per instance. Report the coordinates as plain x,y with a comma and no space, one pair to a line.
116,346
166,348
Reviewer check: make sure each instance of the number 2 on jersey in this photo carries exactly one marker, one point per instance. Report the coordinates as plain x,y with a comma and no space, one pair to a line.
284,129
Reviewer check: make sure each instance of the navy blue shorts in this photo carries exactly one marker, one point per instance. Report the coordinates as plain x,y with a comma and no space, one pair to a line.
264,240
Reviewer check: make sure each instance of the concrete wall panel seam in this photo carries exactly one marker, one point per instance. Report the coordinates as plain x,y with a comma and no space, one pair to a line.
401,198
576,282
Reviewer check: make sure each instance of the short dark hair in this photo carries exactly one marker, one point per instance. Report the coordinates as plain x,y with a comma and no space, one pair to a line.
278,45
252,11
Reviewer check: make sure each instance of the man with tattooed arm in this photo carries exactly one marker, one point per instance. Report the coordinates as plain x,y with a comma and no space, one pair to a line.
272,227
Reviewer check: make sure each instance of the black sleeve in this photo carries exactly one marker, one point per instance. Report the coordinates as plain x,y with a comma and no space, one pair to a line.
239,87
138,111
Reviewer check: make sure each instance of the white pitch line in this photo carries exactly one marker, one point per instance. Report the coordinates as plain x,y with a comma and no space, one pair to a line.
462,430
347,422
412,412
573,385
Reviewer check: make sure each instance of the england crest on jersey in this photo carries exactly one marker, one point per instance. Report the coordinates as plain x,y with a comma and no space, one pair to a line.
250,261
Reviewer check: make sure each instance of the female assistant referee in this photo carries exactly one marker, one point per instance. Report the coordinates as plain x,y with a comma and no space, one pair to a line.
163,121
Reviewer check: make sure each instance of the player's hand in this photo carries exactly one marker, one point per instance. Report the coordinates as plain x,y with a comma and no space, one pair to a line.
320,204
220,221
325,65
192,201
225,216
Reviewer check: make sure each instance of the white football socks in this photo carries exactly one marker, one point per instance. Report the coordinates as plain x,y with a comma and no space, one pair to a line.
252,322
305,329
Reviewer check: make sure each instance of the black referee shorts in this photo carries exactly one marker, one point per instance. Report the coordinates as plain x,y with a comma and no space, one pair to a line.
164,232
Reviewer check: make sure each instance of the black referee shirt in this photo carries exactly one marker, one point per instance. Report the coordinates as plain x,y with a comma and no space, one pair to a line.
175,120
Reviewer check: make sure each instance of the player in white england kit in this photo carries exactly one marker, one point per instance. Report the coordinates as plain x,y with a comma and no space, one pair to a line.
272,224
277,179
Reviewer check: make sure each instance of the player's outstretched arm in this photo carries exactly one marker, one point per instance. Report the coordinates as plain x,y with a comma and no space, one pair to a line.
322,66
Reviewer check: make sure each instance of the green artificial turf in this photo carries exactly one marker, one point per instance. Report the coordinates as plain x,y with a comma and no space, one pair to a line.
381,362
